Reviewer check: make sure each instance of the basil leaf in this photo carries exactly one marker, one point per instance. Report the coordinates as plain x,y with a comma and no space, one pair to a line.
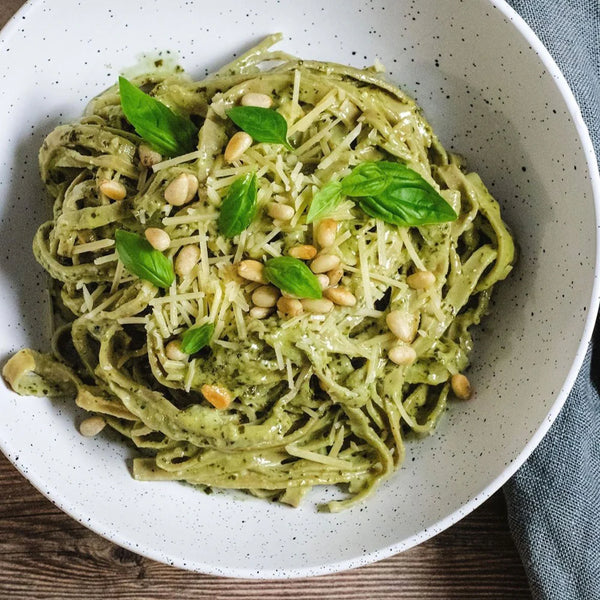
262,124
324,201
396,194
377,211
239,206
195,339
408,200
408,206
141,259
367,179
167,132
292,276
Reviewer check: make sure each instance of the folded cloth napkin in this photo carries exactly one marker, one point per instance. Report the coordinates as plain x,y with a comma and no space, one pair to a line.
554,499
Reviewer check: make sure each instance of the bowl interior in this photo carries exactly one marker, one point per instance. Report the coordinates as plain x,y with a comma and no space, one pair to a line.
487,95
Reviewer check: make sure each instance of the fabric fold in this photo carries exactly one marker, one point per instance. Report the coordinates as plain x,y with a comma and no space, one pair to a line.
554,499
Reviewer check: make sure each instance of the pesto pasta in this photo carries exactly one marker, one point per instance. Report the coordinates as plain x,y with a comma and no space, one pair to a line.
266,279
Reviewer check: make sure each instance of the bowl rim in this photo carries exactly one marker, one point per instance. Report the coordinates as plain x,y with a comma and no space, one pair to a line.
334,567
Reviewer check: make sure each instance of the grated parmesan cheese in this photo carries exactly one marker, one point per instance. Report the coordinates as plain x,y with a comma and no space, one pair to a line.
189,376
228,345
204,266
343,145
317,137
290,373
305,122
377,277
93,246
176,298
132,321
172,162
118,276
381,258
411,249
239,322
365,273
323,459
279,356
101,260
189,218
162,324
87,299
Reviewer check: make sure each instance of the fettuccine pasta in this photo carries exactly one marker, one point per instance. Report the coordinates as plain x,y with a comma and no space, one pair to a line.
278,392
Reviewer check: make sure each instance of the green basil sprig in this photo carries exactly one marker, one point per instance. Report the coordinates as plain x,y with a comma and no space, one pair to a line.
239,206
366,179
262,124
388,191
141,259
324,201
407,200
167,132
197,338
291,275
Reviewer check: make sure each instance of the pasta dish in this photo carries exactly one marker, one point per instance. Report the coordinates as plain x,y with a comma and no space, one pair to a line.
266,279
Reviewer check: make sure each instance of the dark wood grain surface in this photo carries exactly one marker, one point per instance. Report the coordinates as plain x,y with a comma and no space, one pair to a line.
46,554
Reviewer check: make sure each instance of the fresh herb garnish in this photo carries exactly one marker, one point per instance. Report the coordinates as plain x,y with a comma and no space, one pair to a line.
262,124
141,259
196,338
167,132
407,200
388,191
367,179
239,206
291,275
324,201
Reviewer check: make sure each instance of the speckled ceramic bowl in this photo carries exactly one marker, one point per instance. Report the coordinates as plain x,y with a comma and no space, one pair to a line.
491,92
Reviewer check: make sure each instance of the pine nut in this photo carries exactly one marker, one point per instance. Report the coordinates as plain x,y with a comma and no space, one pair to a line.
256,99
323,281
187,259
159,239
113,189
252,270
217,395
402,324
289,306
340,296
265,296
238,144
192,187
173,351
318,306
282,212
92,426
421,280
177,192
461,386
335,276
260,312
148,157
326,232
402,355
324,263
305,252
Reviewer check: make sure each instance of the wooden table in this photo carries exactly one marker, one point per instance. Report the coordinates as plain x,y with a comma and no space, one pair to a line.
46,554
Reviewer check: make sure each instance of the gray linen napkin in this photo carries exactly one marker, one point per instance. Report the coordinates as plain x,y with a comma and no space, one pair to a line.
554,499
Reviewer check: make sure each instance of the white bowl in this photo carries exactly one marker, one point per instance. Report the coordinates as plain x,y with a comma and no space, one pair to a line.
491,92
